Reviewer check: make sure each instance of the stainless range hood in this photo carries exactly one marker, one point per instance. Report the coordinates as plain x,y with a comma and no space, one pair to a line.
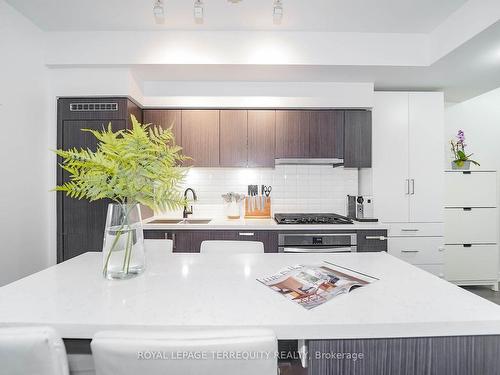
334,162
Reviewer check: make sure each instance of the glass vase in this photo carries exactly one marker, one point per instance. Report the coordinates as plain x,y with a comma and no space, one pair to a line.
123,248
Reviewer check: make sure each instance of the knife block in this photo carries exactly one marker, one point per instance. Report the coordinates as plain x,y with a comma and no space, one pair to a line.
263,213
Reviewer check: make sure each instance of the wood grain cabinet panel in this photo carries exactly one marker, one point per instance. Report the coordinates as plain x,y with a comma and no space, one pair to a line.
200,137
261,138
292,134
326,134
81,223
165,118
233,138
358,139
189,241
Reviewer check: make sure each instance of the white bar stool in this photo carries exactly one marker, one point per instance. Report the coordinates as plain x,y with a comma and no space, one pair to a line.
32,350
186,352
231,247
161,245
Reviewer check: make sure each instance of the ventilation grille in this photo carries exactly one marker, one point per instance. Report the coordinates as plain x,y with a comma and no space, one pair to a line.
93,107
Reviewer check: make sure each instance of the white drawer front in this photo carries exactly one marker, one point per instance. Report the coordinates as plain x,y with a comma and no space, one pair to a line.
416,230
475,189
418,250
474,225
435,269
478,262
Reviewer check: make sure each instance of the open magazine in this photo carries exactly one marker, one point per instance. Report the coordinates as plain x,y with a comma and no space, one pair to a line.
311,286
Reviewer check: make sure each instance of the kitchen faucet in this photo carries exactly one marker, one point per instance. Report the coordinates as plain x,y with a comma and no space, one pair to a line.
185,212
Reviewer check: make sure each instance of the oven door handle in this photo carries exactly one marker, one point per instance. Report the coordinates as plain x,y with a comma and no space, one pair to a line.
298,249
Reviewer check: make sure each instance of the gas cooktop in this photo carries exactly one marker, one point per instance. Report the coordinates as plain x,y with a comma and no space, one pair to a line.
311,219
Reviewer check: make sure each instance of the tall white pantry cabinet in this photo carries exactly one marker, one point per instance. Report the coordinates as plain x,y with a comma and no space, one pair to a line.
408,178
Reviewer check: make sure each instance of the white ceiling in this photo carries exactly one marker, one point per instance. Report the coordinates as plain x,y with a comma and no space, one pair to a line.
470,70
384,16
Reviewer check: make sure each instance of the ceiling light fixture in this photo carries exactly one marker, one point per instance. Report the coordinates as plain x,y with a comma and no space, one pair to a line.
198,11
159,11
277,12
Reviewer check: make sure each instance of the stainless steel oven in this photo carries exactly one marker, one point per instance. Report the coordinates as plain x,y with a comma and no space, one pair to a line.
317,243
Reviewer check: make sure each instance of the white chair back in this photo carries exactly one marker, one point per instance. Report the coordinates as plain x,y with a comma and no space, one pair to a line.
32,350
204,352
161,245
231,247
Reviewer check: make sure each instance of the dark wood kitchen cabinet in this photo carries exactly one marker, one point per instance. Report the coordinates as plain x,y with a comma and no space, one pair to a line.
189,241
358,139
292,134
326,134
233,138
166,118
80,224
261,138
200,137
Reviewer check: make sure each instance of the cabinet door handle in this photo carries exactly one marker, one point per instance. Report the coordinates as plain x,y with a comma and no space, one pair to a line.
412,186
410,251
467,245
380,238
467,208
247,234
407,186
409,230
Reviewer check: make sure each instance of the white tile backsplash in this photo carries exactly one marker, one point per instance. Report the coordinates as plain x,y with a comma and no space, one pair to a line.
296,188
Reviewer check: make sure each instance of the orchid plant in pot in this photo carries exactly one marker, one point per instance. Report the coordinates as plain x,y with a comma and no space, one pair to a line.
461,159
133,167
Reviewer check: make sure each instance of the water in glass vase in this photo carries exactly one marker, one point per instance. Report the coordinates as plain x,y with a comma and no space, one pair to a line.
123,248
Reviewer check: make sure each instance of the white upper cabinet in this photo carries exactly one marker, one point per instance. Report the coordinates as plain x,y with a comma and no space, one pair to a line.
408,146
426,146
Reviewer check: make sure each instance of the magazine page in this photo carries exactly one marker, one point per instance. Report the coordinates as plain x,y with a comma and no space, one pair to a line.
313,285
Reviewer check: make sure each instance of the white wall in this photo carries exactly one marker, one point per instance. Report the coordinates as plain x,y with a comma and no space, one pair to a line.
24,139
258,94
236,47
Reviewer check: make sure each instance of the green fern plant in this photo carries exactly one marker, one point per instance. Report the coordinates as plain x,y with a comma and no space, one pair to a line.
138,165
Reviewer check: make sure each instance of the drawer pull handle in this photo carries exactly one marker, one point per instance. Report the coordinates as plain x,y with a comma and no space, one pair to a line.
380,238
248,234
410,251
409,230
467,172
467,245
467,209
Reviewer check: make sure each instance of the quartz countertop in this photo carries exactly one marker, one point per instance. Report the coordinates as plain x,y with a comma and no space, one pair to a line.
182,291
258,224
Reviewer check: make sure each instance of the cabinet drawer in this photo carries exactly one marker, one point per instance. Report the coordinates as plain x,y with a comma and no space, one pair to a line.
472,225
416,230
477,262
435,269
372,240
471,189
418,250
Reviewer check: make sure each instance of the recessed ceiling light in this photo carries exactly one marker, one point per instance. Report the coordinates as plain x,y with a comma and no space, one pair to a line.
159,11
198,11
277,12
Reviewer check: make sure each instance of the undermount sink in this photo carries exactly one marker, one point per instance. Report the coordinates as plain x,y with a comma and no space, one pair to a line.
165,221
180,221
196,221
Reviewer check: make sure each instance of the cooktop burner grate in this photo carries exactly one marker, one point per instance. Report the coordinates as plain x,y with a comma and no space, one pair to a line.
311,219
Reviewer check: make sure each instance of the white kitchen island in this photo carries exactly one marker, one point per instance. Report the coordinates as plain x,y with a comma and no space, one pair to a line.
184,291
